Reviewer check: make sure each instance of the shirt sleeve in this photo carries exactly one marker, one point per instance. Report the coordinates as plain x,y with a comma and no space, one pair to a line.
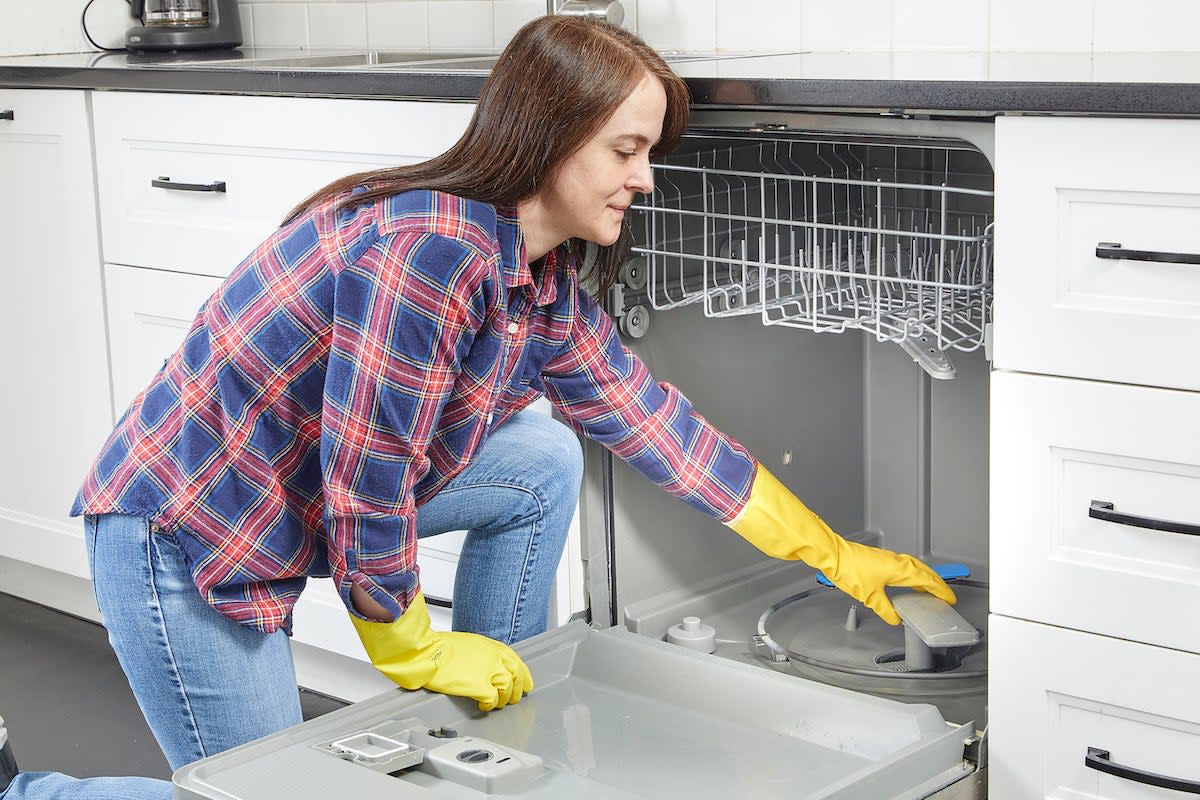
405,314
606,393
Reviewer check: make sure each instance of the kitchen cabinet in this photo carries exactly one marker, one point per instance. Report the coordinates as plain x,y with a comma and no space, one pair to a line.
1095,459
1058,695
56,400
1065,187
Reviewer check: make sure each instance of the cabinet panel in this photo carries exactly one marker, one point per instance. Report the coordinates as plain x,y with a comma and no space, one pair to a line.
1060,445
56,401
1056,693
149,313
192,183
1064,186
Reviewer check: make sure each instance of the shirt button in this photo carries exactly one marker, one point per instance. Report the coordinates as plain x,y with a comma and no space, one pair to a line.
490,418
512,327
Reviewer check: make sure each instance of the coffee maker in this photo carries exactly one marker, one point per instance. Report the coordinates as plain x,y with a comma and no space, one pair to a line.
183,24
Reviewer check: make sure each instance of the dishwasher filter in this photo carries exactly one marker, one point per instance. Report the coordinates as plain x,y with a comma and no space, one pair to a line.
615,716
828,637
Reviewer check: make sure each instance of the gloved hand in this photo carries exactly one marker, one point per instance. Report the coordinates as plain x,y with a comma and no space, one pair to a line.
777,523
414,656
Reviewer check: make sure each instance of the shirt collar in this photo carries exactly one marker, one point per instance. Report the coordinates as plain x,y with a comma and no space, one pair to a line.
514,267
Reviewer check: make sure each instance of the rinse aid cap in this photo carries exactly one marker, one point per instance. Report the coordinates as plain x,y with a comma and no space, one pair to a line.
694,635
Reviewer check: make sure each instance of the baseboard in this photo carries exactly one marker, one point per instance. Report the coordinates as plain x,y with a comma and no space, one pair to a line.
69,594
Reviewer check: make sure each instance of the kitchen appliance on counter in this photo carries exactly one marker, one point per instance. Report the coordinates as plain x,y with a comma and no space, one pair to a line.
768,241
184,25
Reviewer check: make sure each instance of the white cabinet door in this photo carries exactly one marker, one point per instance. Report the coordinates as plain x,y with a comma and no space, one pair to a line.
1055,696
1059,446
55,402
1063,187
149,313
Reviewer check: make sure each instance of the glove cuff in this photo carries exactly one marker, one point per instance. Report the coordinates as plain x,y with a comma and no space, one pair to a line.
780,525
399,640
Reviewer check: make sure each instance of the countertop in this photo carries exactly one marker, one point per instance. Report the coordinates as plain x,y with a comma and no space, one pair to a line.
972,84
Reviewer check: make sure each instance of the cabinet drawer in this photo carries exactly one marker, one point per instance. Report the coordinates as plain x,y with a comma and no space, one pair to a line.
1063,186
1055,693
193,182
1060,445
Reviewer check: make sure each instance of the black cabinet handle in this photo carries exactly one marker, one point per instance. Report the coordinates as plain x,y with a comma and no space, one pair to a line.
440,602
1115,251
167,183
1102,509
1102,760
8,113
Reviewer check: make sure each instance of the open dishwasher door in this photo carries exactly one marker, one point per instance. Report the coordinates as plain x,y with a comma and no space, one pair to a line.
613,715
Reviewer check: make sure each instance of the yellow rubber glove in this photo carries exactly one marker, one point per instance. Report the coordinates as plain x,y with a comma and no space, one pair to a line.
777,523
414,656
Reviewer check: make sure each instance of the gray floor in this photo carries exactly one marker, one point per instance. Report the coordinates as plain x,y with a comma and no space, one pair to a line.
65,700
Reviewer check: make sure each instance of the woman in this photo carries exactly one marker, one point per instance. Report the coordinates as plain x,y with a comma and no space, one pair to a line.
359,382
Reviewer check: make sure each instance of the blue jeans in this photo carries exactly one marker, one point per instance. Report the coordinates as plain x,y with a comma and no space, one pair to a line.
206,684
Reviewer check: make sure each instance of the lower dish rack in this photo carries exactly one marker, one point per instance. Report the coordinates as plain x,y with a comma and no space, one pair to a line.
824,233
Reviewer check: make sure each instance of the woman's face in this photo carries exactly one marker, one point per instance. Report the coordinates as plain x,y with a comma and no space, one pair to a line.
594,187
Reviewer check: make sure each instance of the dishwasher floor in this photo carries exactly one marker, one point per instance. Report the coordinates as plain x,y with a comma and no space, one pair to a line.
65,700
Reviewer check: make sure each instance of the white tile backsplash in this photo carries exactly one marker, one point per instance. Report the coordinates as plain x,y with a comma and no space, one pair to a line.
846,25
995,26
337,25
939,25
930,66
280,25
1040,26
397,26
1147,26
460,25
678,24
740,25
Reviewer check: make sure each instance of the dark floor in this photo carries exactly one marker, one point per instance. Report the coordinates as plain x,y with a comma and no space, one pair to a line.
65,700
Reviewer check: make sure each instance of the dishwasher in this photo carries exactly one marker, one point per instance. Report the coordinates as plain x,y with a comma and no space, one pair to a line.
820,287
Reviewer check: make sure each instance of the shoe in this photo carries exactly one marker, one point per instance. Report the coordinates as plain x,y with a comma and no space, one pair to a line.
8,764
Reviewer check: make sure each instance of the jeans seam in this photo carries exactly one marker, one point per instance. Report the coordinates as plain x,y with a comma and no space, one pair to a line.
176,678
523,583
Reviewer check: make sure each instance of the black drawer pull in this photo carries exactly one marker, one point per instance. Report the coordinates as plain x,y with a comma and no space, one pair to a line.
1115,251
1101,760
167,183
440,602
8,113
1102,509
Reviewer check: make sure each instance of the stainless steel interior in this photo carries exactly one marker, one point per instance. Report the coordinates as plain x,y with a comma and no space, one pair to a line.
841,414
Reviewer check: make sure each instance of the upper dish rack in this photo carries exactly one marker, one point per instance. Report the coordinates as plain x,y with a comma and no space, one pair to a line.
825,234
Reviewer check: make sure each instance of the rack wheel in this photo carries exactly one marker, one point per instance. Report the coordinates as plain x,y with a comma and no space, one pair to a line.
633,273
635,322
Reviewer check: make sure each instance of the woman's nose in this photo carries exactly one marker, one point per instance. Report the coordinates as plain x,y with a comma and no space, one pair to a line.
642,180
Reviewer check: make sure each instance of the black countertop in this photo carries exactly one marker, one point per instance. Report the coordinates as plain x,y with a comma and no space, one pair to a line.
1141,84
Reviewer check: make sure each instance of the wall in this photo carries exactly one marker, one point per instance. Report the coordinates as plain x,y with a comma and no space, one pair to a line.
952,26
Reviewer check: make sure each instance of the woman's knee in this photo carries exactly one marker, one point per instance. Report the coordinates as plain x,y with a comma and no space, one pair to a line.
557,457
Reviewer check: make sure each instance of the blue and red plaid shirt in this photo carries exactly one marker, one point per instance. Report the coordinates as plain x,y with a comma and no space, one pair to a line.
347,370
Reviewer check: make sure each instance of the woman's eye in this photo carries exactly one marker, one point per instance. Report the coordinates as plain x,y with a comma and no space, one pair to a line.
626,154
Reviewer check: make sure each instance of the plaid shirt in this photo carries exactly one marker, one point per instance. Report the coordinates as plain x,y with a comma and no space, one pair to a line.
347,370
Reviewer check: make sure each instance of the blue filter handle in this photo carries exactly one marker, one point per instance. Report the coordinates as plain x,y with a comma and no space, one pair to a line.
947,572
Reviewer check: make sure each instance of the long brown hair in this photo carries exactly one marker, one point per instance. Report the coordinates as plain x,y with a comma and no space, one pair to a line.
552,89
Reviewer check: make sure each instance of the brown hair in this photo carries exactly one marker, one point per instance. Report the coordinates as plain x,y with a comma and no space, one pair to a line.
552,89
